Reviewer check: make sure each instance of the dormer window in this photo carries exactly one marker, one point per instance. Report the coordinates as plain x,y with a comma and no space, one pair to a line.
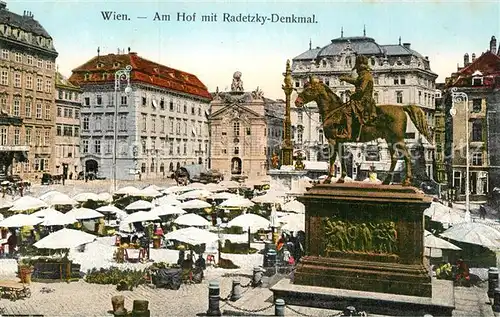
156,70
116,64
100,65
105,76
87,76
477,78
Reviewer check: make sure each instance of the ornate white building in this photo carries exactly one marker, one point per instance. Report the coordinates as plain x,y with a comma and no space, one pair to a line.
162,124
401,76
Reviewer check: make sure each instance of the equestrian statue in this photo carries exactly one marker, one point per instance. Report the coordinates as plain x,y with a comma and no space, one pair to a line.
361,120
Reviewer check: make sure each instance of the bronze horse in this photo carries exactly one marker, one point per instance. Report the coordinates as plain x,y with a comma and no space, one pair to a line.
389,125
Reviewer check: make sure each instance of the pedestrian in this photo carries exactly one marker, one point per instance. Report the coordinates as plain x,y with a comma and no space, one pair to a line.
482,212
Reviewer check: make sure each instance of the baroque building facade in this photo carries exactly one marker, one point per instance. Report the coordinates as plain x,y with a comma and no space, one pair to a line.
479,79
67,139
246,131
162,124
401,76
27,74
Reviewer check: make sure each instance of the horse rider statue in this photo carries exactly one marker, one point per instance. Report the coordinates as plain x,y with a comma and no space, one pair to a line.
362,102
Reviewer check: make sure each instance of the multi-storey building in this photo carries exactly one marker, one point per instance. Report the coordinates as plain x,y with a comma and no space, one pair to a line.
401,76
246,130
67,140
27,58
479,79
162,124
440,117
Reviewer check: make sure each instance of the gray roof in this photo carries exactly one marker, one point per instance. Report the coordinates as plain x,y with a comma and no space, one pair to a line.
25,23
360,44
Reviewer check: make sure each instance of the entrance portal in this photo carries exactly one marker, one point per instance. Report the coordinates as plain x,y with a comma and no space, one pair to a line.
91,166
236,166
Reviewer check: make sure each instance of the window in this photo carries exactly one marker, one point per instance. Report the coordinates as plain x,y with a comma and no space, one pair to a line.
420,97
39,111
48,86
477,131
123,122
143,168
153,124
29,81
399,96
38,137
97,146
3,136
109,123
47,112
17,137
249,131
85,147
185,109
236,128
199,111
124,100
477,81
162,106
86,123
39,84
5,54
375,79
99,100
68,131
59,112
476,105
30,60
66,112
49,65
4,78
477,159
77,132
97,124
171,125
59,130
17,80
375,97
144,122
299,116
236,150
16,108
40,63
171,106
162,125
46,137
402,81
87,101
77,114
185,148
28,136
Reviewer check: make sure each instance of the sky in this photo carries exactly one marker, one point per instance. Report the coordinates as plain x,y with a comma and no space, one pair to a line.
213,51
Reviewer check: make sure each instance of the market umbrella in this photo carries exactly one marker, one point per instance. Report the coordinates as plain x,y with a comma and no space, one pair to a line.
109,209
48,194
432,242
60,199
252,221
223,196
474,233
106,197
167,200
192,220
195,204
214,188
58,219
84,213
197,193
196,186
165,210
45,212
20,220
192,236
270,197
157,188
27,203
177,189
83,197
294,206
150,192
141,216
293,222
140,205
230,184
65,239
128,190
444,214
238,201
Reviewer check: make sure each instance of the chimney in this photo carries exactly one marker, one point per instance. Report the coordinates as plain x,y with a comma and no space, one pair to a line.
466,60
406,45
493,44
473,57
3,5
129,49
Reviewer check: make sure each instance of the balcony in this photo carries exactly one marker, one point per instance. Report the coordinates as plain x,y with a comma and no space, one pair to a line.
14,148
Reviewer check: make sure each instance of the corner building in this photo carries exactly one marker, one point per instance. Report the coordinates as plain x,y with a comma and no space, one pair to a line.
162,124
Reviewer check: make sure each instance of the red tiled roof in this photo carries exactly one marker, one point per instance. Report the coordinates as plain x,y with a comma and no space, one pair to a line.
489,66
143,70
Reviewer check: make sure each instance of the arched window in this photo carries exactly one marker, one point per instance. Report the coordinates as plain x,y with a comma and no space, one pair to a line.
171,167
178,165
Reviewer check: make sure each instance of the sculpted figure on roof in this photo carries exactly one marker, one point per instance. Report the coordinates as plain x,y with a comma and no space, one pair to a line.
237,85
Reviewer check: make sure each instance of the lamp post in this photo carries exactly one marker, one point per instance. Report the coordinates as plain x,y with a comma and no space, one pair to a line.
120,75
459,97
287,149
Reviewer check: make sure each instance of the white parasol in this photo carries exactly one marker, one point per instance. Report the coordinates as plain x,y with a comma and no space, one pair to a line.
109,209
192,220
195,194
150,192
48,194
83,197
20,220
230,184
196,186
167,200
106,197
214,188
128,190
84,213
177,189
27,203
192,235
270,197
60,199
58,219
252,221
165,210
141,216
45,212
441,213
237,201
157,188
293,222
140,205
223,196
294,206
474,233
195,204
65,239
433,242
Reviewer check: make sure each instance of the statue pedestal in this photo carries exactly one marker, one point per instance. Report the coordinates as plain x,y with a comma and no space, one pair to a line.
288,178
360,238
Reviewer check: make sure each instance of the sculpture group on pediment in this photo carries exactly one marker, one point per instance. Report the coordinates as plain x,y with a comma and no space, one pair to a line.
374,237
257,94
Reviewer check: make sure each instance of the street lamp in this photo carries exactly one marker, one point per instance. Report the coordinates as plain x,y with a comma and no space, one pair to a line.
458,97
120,75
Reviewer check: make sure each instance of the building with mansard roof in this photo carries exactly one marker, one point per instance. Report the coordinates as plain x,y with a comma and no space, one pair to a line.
246,130
162,124
479,79
27,76
401,76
